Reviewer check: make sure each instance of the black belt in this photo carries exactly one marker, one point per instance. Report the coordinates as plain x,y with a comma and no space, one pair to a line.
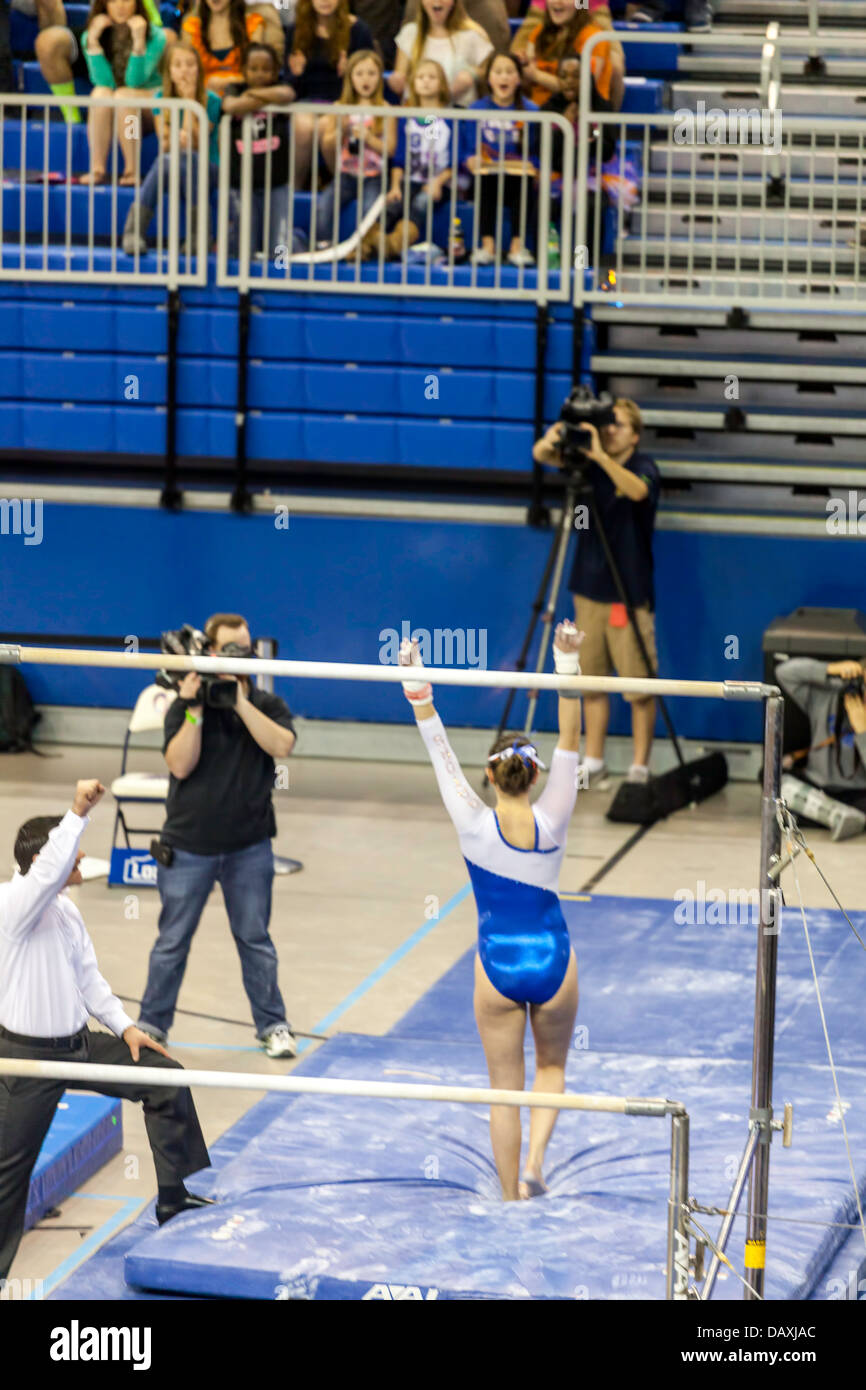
68,1044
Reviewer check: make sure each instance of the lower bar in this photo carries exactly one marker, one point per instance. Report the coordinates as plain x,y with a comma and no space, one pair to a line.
81,1073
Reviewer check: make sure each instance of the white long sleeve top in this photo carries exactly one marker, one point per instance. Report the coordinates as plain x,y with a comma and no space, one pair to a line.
49,979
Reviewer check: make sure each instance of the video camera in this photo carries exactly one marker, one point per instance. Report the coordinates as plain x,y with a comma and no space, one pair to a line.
190,641
855,687
579,409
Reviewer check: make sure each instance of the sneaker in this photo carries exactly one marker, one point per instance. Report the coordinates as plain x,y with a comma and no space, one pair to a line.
282,865
521,257
155,1033
482,257
638,773
280,1042
598,780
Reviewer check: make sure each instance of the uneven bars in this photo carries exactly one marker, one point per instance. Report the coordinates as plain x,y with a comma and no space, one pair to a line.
344,671
78,1072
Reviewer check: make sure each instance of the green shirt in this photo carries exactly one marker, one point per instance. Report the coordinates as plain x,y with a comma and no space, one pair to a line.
142,70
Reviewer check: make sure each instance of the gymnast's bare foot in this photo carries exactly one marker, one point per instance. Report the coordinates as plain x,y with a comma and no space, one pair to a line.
531,1184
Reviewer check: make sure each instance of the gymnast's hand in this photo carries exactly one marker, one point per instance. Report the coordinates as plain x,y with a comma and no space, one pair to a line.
566,642
417,692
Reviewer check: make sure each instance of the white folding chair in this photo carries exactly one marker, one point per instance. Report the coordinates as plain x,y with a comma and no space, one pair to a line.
141,787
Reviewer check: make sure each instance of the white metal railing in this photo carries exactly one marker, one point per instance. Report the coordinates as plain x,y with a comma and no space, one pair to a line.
55,228
746,204
365,261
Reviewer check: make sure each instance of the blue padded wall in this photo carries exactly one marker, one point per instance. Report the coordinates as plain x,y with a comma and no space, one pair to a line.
326,587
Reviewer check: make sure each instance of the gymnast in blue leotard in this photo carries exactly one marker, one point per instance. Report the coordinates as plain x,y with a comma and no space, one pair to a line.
525,962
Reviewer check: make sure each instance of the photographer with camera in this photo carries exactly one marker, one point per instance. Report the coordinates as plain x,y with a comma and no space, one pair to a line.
833,789
221,737
623,486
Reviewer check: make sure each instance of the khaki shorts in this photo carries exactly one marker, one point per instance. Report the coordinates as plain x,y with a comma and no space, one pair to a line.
606,650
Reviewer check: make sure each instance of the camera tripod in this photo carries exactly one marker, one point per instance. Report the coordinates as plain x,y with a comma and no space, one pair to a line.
578,486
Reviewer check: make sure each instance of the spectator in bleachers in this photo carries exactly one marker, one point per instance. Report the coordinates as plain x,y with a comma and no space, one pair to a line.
269,141
319,45
566,102
60,50
220,30
383,18
443,31
491,15
182,76
424,155
123,51
363,85
488,146
535,16
565,30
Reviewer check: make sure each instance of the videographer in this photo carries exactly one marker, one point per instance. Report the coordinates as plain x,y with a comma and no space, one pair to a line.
833,789
218,828
625,485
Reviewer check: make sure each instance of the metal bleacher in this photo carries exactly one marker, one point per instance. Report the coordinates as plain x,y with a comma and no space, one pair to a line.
753,405
752,385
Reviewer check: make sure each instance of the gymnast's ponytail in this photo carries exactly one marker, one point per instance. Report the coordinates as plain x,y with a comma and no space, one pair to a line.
513,774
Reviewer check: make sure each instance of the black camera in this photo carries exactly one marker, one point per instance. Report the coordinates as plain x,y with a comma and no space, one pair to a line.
855,687
579,409
190,641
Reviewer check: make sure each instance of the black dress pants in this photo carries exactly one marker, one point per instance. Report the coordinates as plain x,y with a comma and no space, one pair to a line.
27,1106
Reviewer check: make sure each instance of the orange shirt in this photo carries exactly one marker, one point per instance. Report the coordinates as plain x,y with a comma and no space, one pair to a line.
230,66
601,64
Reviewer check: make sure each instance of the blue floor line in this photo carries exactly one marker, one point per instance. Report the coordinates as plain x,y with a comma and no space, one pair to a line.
388,964
96,1238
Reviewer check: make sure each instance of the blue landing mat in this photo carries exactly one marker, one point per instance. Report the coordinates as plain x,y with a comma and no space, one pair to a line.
648,986
684,991
391,1194
85,1133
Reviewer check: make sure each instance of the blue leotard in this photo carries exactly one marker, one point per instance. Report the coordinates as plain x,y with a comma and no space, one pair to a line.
523,941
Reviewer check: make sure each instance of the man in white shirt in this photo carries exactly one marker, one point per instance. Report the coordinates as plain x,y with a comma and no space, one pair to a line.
49,986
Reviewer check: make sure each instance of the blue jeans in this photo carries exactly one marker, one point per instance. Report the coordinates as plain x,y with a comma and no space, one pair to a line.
150,182
371,187
246,877
278,230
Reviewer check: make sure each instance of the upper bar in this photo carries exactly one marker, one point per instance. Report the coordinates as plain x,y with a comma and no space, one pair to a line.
344,671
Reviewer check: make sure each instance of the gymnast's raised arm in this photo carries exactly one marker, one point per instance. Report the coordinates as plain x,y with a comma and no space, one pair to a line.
463,805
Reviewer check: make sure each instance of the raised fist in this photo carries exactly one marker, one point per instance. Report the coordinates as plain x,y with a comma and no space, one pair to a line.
87,794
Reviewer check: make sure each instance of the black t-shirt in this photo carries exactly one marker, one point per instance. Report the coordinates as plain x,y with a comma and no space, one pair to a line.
225,803
629,529
320,81
277,142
